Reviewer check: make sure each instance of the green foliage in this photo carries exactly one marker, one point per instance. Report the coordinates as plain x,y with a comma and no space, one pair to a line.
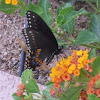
97,84
72,93
46,15
68,14
92,53
93,97
29,97
86,37
82,77
66,17
30,84
26,75
63,6
16,97
35,8
8,9
61,42
69,27
96,66
46,92
95,25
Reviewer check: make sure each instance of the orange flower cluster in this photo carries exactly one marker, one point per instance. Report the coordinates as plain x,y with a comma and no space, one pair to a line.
93,86
20,89
71,66
13,2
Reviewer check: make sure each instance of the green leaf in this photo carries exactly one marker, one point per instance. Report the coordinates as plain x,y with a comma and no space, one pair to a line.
69,27
60,19
49,83
96,66
86,37
29,97
93,97
64,15
8,9
98,4
26,75
72,93
69,14
95,25
15,97
82,77
61,42
46,15
46,93
92,53
23,12
63,6
35,8
31,86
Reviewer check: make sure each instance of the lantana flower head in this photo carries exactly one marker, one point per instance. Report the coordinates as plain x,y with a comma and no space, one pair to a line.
20,89
71,67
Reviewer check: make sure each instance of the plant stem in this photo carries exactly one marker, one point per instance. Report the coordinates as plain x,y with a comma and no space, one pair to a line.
97,4
72,41
55,28
66,38
91,5
37,96
91,46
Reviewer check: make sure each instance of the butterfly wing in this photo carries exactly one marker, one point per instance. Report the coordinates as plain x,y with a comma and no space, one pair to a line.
38,37
35,22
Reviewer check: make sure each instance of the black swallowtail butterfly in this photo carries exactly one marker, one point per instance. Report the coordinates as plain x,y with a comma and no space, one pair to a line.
40,41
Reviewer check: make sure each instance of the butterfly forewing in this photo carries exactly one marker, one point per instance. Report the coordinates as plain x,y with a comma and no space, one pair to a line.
38,24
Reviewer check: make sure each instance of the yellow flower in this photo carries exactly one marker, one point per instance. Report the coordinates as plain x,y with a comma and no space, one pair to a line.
85,52
70,71
79,66
79,53
73,66
13,2
7,1
53,69
81,59
70,57
58,64
66,63
85,56
58,74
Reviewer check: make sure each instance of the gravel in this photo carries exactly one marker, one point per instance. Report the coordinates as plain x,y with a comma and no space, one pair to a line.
10,52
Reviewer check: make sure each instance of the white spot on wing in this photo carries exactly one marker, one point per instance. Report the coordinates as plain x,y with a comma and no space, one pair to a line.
28,12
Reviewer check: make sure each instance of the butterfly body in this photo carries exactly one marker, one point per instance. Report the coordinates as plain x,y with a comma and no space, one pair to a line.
40,40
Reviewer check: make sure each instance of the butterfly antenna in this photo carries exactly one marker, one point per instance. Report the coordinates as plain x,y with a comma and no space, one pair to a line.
22,44
43,66
50,58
